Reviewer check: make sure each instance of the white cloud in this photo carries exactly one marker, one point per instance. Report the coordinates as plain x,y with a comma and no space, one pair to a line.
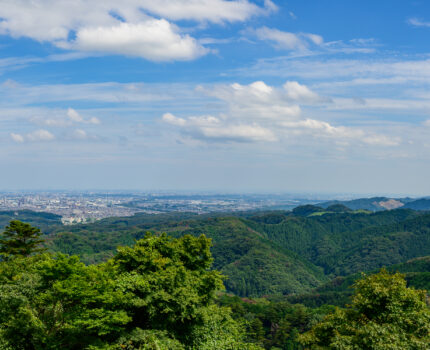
287,40
418,23
210,128
93,120
321,129
239,133
40,135
155,40
382,140
17,137
57,119
35,136
104,26
74,116
171,119
207,10
298,92
256,101
261,113
79,134
315,38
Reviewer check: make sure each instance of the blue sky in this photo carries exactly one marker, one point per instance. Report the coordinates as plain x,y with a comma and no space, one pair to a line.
214,95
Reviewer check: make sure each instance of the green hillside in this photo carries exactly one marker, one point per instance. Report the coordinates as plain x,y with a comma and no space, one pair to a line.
279,252
47,222
253,264
338,291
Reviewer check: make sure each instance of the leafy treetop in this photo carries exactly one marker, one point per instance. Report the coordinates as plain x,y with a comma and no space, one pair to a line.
20,239
384,315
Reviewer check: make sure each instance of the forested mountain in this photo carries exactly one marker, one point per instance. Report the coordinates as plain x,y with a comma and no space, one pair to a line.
302,261
268,253
254,265
338,291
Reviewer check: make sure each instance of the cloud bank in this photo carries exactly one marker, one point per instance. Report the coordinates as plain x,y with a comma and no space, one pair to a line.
103,26
261,113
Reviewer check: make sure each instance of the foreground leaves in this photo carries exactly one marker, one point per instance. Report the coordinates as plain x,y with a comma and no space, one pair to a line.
384,315
156,295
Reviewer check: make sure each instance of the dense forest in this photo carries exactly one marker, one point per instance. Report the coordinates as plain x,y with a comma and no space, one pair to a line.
280,275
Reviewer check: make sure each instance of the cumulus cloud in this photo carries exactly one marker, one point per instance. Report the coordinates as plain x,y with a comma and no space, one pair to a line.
301,93
257,99
105,27
70,118
210,128
286,40
80,135
155,40
261,113
17,137
171,119
40,135
74,116
77,118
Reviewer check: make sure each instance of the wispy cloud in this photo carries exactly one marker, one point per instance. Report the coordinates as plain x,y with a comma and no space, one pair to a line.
286,40
418,23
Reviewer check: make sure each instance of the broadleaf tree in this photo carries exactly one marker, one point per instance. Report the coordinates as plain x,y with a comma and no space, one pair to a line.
384,315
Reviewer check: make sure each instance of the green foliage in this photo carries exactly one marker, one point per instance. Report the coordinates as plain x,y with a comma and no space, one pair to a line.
271,252
20,239
384,314
275,324
254,264
155,295
58,302
305,210
148,339
167,281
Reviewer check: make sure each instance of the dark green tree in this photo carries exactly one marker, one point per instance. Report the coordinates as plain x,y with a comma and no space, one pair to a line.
384,314
20,239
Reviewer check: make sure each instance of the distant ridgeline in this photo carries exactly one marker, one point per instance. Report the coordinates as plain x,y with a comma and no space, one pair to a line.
309,255
382,203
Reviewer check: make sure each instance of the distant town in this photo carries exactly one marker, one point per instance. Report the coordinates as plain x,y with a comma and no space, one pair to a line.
82,207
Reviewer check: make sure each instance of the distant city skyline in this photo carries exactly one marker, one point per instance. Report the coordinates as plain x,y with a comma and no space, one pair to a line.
250,96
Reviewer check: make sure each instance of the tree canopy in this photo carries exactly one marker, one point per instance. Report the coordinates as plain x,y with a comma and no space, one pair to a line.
156,295
384,315
20,239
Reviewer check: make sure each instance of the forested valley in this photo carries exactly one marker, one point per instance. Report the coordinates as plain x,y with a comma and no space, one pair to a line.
311,278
